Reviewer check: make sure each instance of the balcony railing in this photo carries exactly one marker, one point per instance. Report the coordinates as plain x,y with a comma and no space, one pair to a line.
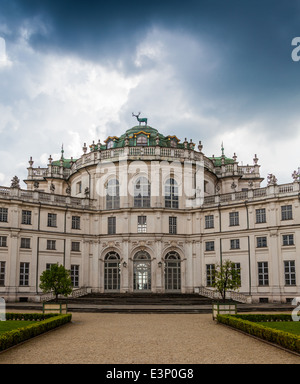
48,198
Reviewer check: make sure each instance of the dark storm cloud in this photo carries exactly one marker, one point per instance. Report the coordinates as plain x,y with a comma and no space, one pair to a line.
252,38
250,41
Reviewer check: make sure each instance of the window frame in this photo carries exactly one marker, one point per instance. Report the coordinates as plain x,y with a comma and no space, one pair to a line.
289,273
25,243
142,224
263,273
209,246
24,274
3,215
288,240
234,219
260,215
111,225
235,244
52,220
75,222
26,217
286,212
51,245
209,221
173,225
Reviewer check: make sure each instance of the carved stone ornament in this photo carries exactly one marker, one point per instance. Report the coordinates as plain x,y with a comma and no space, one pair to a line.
15,182
295,176
52,187
271,179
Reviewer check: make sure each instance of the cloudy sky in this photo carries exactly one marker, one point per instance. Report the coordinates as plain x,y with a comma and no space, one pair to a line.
211,70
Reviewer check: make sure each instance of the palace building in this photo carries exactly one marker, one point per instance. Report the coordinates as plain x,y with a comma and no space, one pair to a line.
145,212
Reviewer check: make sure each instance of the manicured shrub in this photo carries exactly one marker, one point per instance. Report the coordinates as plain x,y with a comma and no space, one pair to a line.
250,324
44,323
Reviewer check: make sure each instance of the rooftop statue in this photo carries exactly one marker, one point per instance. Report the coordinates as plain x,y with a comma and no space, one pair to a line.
143,120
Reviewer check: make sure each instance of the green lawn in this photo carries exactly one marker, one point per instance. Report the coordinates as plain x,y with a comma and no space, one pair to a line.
8,325
287,326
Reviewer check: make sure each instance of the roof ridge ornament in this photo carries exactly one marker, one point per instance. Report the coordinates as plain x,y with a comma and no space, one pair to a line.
142,120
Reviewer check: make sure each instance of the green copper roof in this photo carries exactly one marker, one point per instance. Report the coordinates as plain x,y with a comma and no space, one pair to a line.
218,160
67,163
131,135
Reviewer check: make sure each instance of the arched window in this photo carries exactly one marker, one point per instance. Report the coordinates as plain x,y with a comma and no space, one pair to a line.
112,194
172,272
171,193
112,272
142,271
110,144
141,140
142,193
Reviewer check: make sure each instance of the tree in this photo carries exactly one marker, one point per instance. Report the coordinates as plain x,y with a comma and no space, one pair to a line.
57,280
225,277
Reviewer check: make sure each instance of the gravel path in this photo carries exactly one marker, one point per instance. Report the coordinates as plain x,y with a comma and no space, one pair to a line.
105,338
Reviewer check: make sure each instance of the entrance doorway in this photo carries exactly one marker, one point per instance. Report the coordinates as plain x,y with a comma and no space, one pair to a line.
112,272
172,272
142,272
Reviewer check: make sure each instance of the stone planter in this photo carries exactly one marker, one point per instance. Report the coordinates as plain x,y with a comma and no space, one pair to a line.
220,308
55,308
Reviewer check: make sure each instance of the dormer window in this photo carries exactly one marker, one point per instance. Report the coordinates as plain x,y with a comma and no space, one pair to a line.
141,140
110,144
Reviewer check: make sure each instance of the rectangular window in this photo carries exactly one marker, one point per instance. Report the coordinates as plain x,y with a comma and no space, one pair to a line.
75,246
78,187
25,243
75,222
209,221
209,245
3,241
263,273
142,224
111,225
173,225
75,275
235,244
287,239
26,217
233,218
3,215
286,212
237,268
290,272
51,244
52,219
260,215
210,268
261,242
48,266
24,274
2,273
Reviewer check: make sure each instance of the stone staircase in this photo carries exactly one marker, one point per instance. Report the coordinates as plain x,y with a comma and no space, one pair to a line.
141,299
139,303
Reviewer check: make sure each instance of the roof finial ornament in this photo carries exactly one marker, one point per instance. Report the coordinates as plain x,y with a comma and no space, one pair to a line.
142,120
62,151
222,148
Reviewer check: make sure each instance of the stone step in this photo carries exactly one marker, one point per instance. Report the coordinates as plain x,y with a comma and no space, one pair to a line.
141,299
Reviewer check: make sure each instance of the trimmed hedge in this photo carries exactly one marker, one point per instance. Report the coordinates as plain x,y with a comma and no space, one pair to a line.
44,323
250,324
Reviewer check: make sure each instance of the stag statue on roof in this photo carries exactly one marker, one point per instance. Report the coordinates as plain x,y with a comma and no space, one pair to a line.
142,120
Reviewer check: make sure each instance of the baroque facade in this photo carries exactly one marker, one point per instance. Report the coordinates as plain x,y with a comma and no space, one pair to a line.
146,212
